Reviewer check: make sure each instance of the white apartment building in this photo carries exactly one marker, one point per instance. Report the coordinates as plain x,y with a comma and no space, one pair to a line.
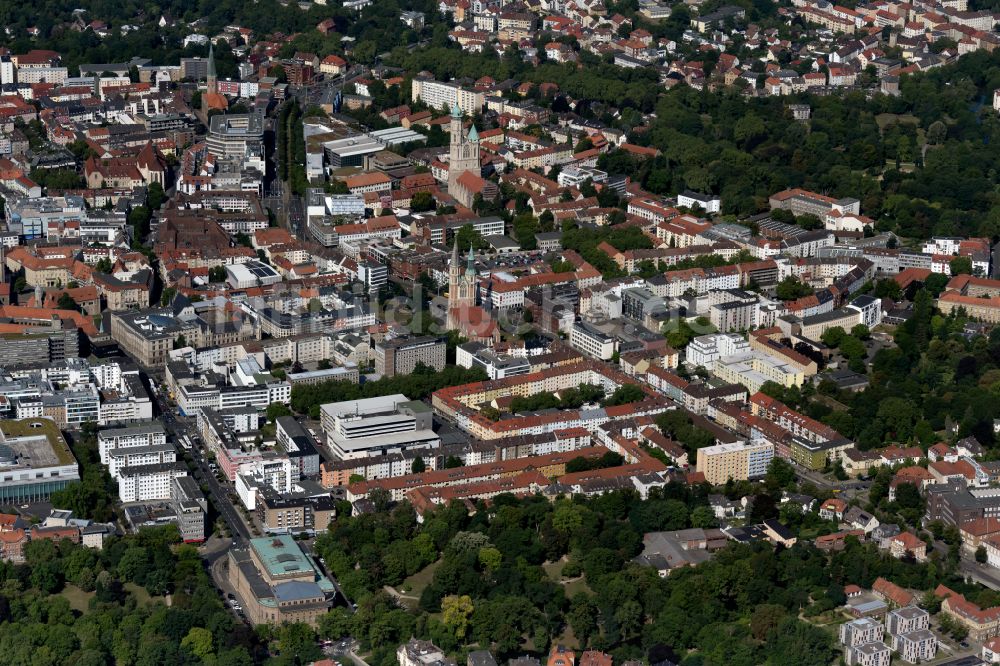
870,309
151,434
708,202
139,456
916,647
868,654
705,349
126,410
191,399
591,341
148,483
906,620
943,245
737,461
57,75
753,369
576,176
439,95
735,315
276,473
860,631
6,70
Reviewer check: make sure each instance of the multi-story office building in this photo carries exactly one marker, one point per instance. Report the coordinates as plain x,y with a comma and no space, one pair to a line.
149,337
337,374
298,445
361,428
72,408
55,343
400,356
236,135
295,512
35,460
190,508
638,303
591,341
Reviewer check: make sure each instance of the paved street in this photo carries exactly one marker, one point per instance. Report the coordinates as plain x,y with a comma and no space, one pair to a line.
218,494
980,573
849,489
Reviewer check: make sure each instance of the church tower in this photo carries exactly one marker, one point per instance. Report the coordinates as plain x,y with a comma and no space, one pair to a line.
212,100
453,275
463,154
211,79
461,286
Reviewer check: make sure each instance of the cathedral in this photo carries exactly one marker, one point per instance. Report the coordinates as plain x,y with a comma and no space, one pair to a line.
464,170
461,288
464,315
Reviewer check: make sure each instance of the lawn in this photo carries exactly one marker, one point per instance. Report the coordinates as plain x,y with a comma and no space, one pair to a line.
77,598
576,586
554,569
142,597
573,585
884,120
568,639
414,586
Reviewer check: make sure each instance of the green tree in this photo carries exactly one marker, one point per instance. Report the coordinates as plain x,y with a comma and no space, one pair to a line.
790,289
960,266
155,196
276,410
455,612
66,302
490,559
422,201
167,295
298,641
888,288
335,624
198,642
831,337
583,615
467,237
704,517
765,619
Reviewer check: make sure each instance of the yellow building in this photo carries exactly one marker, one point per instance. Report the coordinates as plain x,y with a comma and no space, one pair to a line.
279,583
